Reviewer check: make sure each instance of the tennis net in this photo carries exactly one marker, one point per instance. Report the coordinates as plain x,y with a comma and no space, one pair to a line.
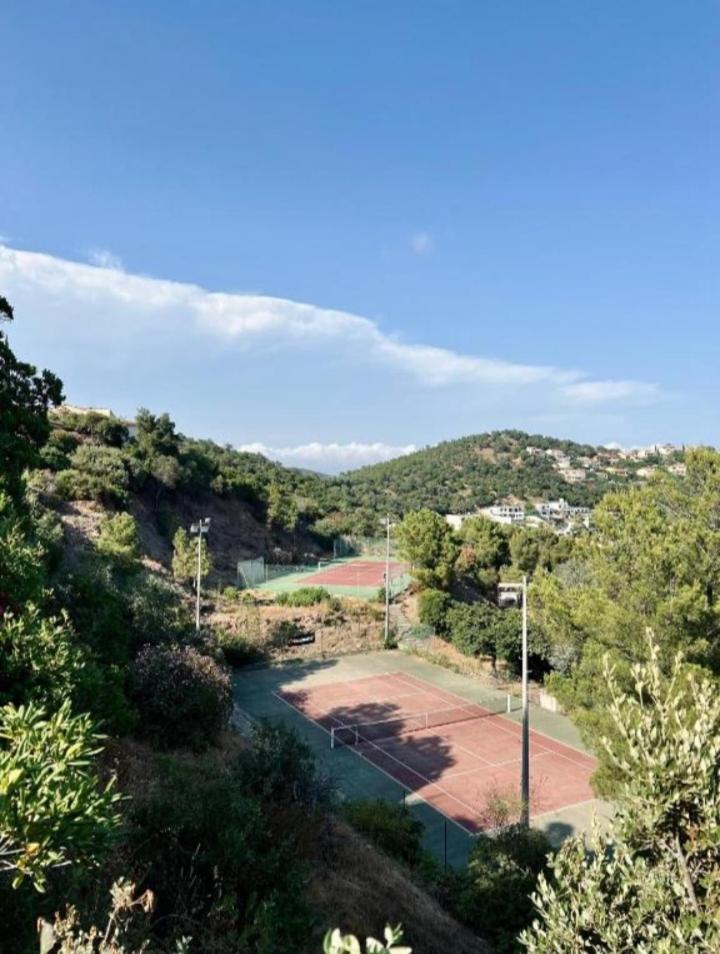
357,733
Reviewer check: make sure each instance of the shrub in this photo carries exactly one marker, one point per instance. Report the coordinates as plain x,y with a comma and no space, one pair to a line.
216,858
231,593
284,632
39,658
280,768
96,473
183,696
389,826
433,606
305,596
236,648
494,896
53,810
118,539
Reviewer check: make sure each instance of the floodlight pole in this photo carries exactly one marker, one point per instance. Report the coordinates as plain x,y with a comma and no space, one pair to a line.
201,528
387,580
525,771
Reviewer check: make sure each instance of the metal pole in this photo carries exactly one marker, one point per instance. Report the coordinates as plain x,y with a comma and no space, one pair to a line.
525,777
387,582
199,571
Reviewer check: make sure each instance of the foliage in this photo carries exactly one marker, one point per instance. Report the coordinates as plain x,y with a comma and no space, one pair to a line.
231,593
240,643
653,561
21,575
53,809
463,475
222,860
282,510
488,541
337,943
426,541
283,632
184,697
118,539
39,658
652,884
279,768
95,473
433,606
494,894
25,397
303,596
185,560
391,827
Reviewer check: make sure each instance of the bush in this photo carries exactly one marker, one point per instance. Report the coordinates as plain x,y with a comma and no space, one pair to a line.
494,896
284,632
237,649
305,596
184,697
221,867
280,768
96,473
433,606
118,539
231,593
54,810
389,826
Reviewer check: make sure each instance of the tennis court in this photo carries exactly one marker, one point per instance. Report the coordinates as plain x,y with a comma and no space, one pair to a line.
361,578
356,573
458,756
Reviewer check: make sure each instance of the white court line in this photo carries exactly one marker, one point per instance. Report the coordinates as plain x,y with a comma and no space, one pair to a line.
392,777
500,725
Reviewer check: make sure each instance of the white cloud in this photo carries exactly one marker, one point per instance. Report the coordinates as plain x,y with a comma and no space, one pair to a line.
597,392
331,457
104,258
120,303
422,243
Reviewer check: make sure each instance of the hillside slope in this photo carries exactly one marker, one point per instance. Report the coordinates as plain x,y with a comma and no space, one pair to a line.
461,475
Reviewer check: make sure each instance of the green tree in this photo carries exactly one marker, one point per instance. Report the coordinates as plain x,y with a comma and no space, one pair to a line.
25,398
488,540
282,511
653,561
184,561
118,539
425,539
652,884
54,811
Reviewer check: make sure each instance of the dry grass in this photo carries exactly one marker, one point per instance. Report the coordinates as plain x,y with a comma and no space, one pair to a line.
360,890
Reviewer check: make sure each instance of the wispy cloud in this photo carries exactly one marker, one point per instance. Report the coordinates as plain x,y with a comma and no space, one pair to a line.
331,457
129,302
104,258
601,392
422,243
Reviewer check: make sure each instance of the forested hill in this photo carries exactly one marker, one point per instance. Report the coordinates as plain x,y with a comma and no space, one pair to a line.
460,475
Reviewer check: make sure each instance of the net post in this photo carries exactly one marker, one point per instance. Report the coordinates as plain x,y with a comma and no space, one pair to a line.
509,702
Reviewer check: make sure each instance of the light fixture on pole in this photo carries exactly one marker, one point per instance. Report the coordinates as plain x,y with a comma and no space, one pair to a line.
521,589
201,528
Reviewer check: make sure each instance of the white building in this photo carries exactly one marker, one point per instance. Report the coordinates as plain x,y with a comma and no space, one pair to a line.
505,513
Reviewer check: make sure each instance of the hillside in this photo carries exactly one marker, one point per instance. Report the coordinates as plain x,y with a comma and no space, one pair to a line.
461,475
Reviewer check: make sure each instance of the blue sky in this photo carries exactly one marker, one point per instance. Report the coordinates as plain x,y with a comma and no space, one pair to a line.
339,230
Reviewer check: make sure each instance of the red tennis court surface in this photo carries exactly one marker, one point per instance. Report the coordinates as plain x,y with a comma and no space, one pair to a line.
458,768
356,573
